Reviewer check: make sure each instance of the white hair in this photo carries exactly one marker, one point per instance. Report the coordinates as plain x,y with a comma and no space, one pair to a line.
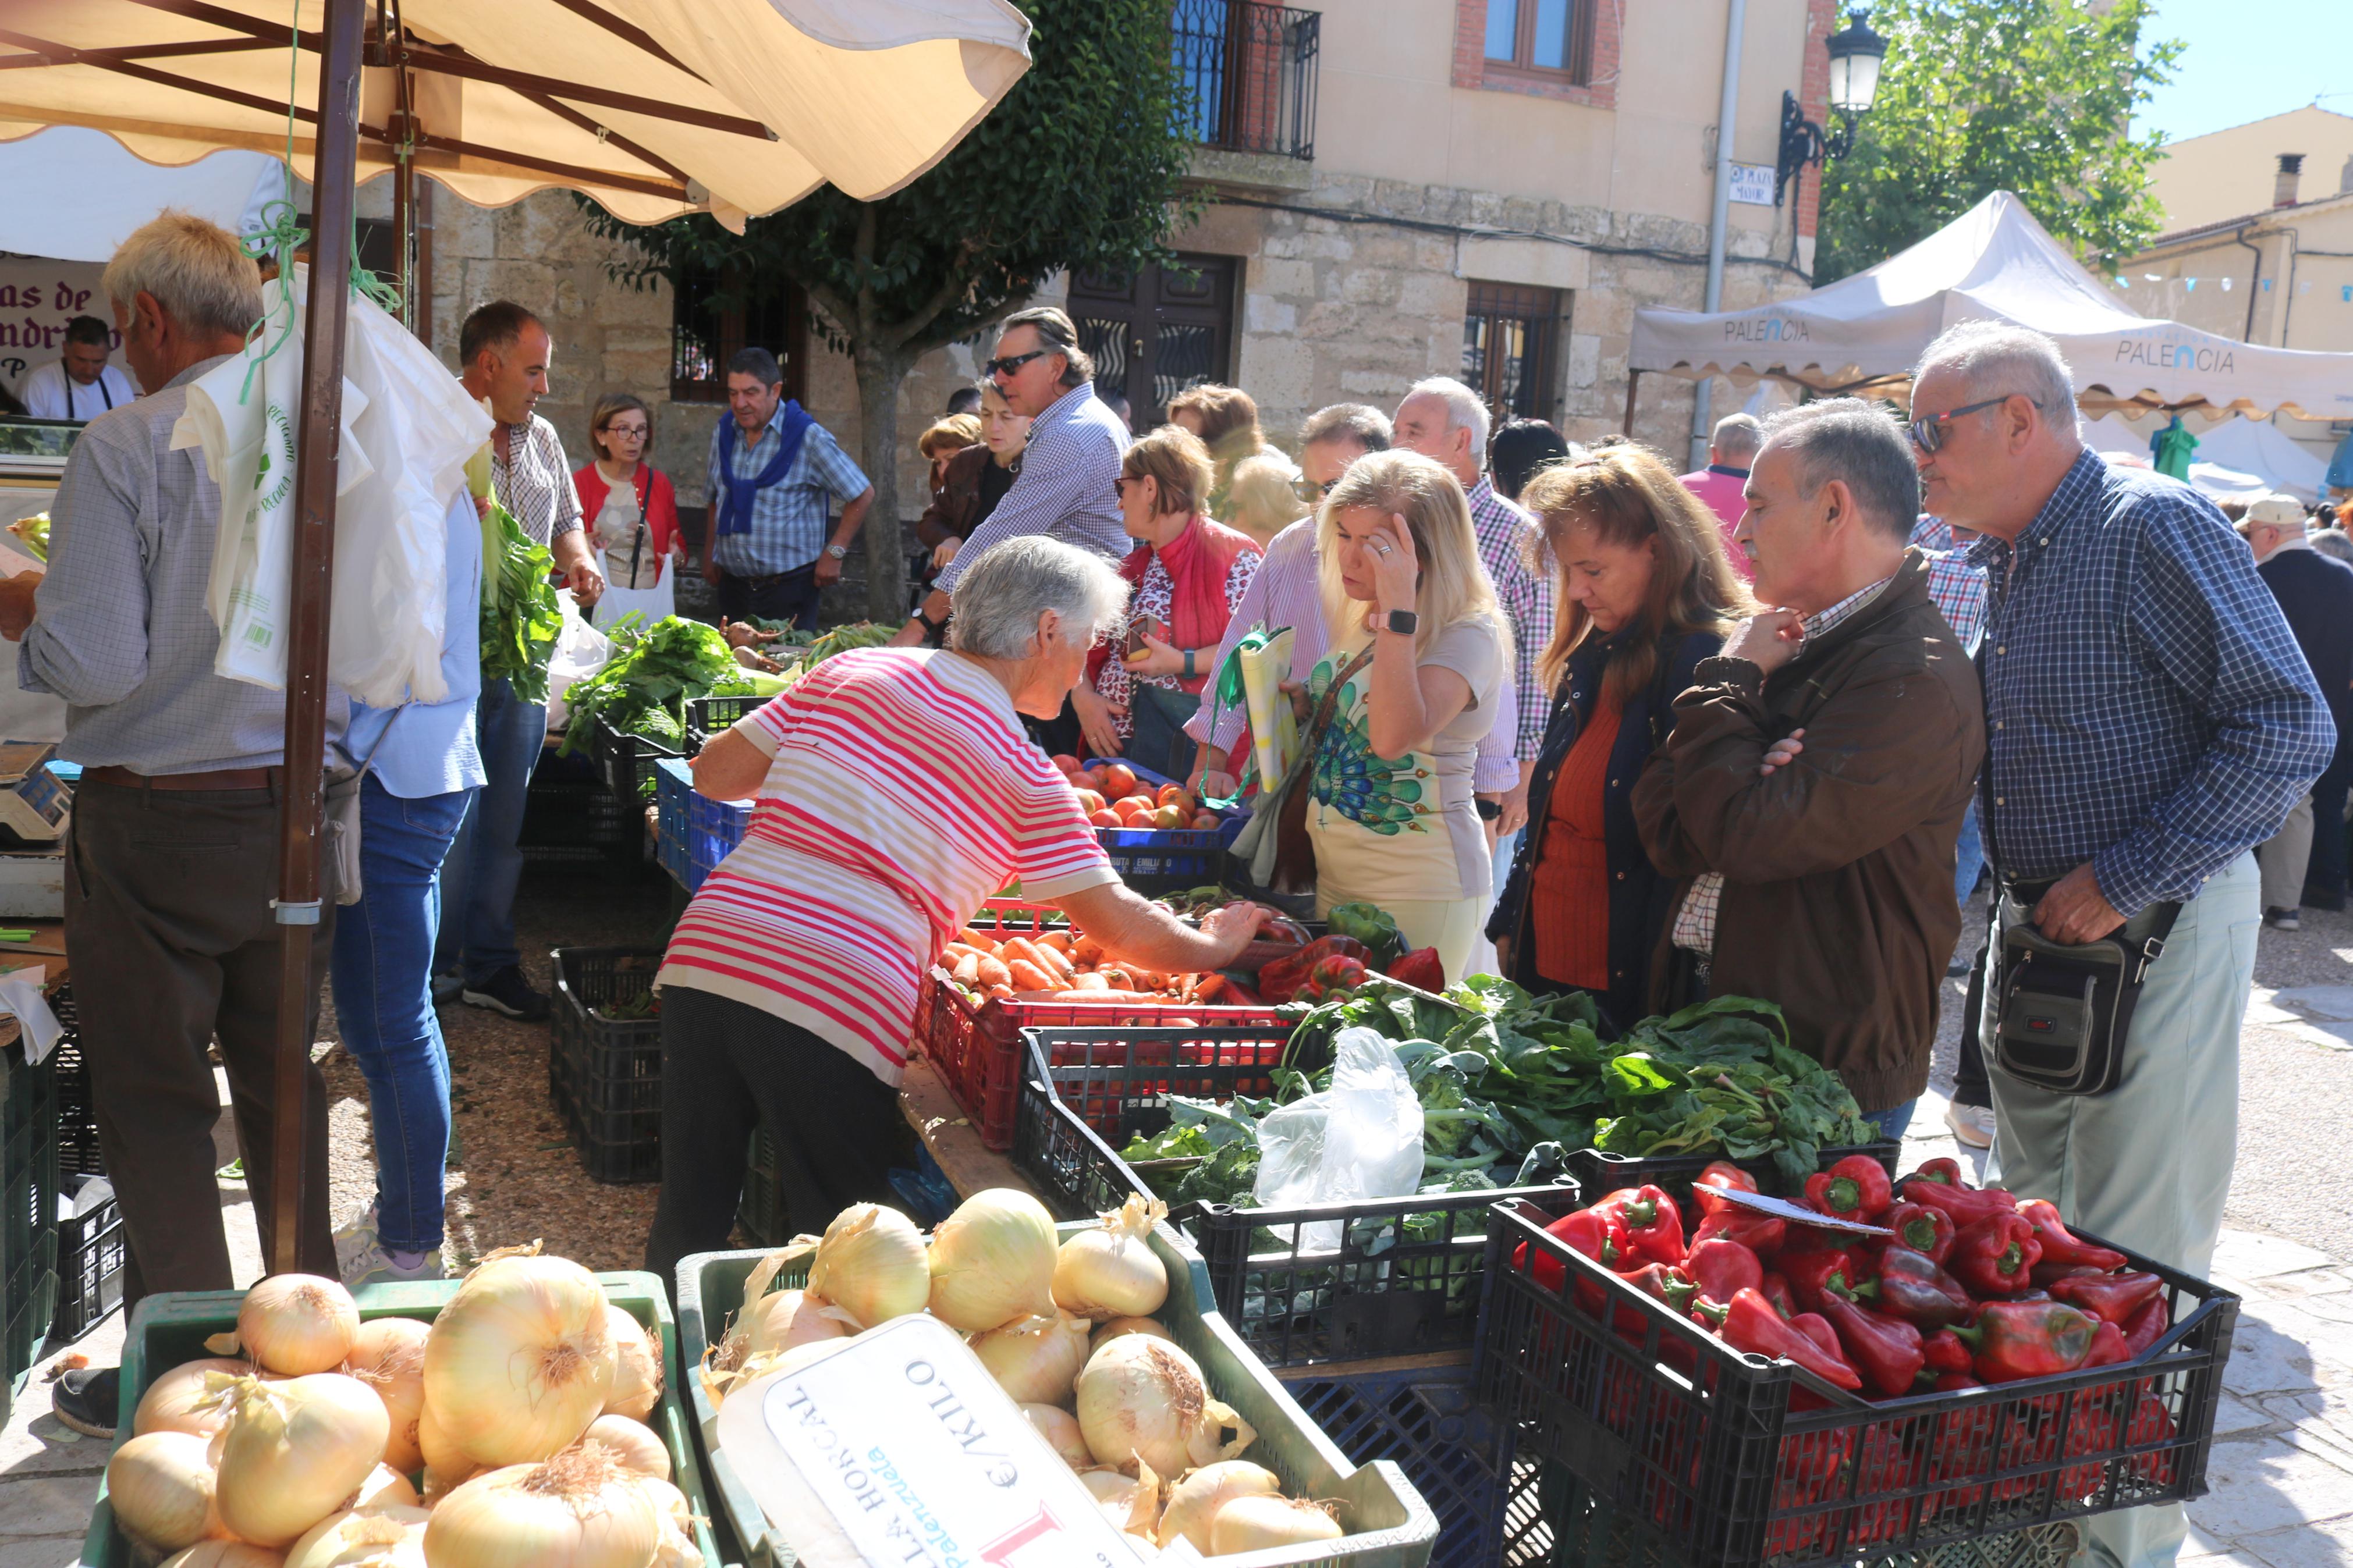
1465,409
196,270
1738,435
1998,359
998,601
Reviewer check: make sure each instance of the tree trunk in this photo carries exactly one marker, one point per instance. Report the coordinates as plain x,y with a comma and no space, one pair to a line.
880,372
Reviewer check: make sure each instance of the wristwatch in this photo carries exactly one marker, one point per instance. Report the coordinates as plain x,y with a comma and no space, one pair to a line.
839,551
1405,623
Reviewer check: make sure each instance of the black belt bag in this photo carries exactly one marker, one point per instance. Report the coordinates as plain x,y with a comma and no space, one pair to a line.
2067,1009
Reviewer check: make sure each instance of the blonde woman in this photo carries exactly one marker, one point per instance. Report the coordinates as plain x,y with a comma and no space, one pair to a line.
1418,655
1263,499
1645,593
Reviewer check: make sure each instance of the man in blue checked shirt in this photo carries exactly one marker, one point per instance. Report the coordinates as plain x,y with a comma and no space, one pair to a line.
2150,720
774,474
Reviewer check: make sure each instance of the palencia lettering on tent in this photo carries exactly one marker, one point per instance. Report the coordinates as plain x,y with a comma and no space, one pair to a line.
1772,330
2169,356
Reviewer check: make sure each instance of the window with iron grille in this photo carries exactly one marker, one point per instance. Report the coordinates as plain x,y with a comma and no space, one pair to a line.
1554,38
1248,72
712,316
1509,337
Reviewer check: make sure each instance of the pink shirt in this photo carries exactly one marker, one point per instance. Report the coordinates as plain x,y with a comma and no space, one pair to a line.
1719,488
901,794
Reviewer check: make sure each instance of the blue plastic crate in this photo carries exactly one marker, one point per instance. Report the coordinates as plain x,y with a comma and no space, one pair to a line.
1165,859
694,833
1423,1419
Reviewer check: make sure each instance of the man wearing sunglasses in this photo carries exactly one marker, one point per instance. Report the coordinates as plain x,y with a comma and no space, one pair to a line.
1069,467
2150,720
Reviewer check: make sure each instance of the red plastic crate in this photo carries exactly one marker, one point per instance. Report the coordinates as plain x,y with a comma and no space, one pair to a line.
978,1047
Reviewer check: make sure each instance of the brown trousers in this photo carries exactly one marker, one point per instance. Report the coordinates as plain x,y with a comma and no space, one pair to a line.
173,944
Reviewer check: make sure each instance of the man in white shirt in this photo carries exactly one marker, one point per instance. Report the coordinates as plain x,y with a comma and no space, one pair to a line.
79,384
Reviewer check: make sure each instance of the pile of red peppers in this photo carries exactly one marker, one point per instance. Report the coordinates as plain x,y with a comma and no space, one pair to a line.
1974,1288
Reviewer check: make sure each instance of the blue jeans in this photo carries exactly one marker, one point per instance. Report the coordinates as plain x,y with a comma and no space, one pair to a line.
1969,856
477,933
1891,1123
384,947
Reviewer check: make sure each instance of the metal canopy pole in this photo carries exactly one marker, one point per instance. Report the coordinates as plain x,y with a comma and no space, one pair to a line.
333,171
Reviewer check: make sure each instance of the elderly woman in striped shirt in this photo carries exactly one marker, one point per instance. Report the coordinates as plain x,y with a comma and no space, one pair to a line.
896,792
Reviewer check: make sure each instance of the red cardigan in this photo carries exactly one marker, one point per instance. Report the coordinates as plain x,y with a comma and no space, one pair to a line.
657,498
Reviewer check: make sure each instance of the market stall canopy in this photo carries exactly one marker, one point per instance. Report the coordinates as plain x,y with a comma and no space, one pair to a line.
652,107
1863,333
74,194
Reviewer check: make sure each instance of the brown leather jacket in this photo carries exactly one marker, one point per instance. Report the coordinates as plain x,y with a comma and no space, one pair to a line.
955,504
1837,895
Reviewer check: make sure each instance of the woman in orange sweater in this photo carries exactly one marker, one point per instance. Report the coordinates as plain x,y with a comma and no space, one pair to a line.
1645,593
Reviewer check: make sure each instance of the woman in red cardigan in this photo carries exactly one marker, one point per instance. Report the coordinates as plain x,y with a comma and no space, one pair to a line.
631,511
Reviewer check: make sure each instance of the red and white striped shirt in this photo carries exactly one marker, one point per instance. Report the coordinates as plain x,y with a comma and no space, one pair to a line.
901,793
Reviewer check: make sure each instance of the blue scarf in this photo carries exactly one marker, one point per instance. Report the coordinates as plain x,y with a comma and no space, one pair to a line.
735,504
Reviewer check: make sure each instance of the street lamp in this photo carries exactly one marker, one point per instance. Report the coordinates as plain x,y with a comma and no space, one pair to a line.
1855,54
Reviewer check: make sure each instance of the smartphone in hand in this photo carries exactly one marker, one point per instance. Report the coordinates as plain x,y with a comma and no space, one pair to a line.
1141,626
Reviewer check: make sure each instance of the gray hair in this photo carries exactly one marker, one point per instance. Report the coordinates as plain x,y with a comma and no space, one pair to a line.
997,603
1998,359
196,270
1057,333
1860,444
1738,435
1465,409
1368,427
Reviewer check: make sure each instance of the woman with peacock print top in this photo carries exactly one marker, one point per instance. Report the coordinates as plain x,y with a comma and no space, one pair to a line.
1419,655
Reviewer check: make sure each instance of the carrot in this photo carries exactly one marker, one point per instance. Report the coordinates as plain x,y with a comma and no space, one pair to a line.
1086,952
1089,982
971,938
953,950
1000,993
968,967
1056,941
1140,997
1028,976
992,971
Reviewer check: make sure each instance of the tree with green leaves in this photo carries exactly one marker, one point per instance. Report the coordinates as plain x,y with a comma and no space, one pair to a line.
2034,97
1076,170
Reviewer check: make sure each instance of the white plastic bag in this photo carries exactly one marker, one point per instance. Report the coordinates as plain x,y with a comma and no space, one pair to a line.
581,650
1361,1138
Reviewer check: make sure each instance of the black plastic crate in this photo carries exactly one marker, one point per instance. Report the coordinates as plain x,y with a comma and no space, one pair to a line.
1355,1280
707,715
28,1212
1422,1417
574,822
1599,1173
76,1120
1732,1460
625,764
762,1211
605,1073
92,1249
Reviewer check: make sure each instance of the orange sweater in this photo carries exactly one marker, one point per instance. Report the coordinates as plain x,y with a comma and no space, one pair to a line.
1569,909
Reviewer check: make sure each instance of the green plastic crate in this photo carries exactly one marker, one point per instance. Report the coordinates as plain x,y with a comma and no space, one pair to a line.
170,1329
1390,1525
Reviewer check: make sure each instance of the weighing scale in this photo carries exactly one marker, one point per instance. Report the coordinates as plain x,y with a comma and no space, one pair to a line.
36,806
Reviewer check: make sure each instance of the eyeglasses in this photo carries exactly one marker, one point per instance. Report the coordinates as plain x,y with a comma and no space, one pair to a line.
1928,433
1012,363
1311,492
622,432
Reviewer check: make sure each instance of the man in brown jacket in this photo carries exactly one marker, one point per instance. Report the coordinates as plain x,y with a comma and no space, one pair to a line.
1812,790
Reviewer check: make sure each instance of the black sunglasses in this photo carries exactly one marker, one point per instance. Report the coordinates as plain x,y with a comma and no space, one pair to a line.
1012,363
1928,433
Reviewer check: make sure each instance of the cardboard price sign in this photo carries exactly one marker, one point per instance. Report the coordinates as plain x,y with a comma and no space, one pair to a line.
899,1448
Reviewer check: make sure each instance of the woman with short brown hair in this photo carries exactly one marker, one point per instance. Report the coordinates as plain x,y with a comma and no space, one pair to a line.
1226,419
630,510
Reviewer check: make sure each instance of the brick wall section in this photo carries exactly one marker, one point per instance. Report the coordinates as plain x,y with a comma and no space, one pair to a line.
1474,70
1814,97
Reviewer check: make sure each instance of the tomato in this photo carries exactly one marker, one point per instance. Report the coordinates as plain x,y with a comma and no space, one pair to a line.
1206,819
1068,764
1168,816
1093,778
1089,802
1102,819
1131,815
1139,802
1119,779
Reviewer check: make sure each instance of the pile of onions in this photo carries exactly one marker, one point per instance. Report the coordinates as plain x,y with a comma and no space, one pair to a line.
789,1318
637,1366
293,1451
161,1485
520,1360
389,1536
1195,1501
180,1401
296,1324
1111,1272
1061,1429
1036,1361
632,1444
872,1264
1141,1398
578,1508
1260,1523
389,1357
993,1262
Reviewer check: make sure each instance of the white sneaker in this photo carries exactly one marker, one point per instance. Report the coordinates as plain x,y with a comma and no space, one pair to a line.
354,1238
1972,1124
373,1265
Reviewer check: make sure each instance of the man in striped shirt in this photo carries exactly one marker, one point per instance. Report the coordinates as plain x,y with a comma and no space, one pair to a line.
1443,419
1068,471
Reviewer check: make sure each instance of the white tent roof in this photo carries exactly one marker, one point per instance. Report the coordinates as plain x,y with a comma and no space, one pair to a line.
1992,261
75,195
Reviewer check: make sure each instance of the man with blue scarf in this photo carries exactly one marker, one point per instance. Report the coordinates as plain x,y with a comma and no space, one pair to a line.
773,473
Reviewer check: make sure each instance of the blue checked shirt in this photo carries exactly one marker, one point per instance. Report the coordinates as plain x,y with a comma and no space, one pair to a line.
1066,486
1956,582
1511,547
2147,709
791,518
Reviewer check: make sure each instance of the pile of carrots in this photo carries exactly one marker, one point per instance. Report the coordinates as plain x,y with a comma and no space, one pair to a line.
1069,966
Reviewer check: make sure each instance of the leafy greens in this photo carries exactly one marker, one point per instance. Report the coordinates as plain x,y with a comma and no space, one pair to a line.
522,617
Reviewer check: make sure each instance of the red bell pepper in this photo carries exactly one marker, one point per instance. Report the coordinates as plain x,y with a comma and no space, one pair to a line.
2152,1423
1751,1325
1722,1268
1720,1175
1927,1231
2113,1297
1943,1352
1665,1284
1282,980
2058,1245
2014,1339
1421,968
1910,1286
1885,1350
1817,1328
1584,1231
2107,1346
1761,1234
1808,1272
2046,1273
1329,977
1944,1172
1996,1256
1953,1381
1775,1290
2147,1326
1653,1225
1855,1188
1956,1197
